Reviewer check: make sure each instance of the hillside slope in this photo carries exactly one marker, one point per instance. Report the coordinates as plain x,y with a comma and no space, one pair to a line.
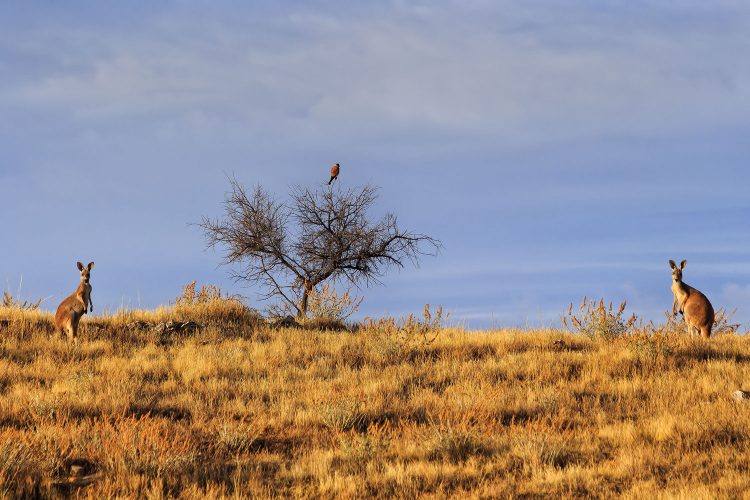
311,413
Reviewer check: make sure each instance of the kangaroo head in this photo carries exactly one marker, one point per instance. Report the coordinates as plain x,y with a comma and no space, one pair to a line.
85,271
677,271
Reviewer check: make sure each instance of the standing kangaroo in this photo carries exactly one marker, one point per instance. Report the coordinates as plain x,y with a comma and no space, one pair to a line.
695,307
71,309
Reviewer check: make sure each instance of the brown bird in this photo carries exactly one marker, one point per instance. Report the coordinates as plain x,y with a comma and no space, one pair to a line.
334,172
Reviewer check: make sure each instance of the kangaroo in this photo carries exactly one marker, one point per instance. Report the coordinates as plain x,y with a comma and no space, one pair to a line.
694,306
70,310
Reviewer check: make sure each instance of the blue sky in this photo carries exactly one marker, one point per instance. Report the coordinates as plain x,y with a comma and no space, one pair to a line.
556,148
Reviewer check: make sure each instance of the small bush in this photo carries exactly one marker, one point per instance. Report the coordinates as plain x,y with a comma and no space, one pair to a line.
11,302
326,309
395,340
651,344
342,415
722,324
359,450
457,445
544,450
237,439
408,329
327,304
209,306
597,320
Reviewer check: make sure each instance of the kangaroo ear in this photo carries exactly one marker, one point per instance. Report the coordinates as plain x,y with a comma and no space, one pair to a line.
90,266
80,266
672,264
682,264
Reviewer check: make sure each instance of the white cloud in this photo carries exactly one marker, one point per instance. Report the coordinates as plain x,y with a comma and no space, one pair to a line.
533,79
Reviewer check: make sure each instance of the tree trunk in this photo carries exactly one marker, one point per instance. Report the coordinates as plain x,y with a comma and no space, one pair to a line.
303,306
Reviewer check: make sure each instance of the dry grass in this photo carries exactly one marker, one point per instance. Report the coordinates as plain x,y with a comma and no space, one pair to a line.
239,410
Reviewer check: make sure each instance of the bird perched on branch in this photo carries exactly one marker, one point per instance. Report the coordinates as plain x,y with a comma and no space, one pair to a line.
334,172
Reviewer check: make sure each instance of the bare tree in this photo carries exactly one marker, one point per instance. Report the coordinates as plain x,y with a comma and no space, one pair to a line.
326,234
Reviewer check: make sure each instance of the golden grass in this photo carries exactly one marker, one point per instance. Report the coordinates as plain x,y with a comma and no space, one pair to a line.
241,410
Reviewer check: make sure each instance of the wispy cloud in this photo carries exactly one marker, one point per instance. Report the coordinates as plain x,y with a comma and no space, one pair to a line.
530,77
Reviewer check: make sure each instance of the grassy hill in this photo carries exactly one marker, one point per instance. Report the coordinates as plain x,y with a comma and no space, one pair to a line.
238,408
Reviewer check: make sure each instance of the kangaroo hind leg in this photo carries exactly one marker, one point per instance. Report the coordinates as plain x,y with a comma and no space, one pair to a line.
71,327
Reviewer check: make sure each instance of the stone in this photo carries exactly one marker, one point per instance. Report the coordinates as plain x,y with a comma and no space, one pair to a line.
189,326
285,322
137,325
741,395
177,327
168,327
